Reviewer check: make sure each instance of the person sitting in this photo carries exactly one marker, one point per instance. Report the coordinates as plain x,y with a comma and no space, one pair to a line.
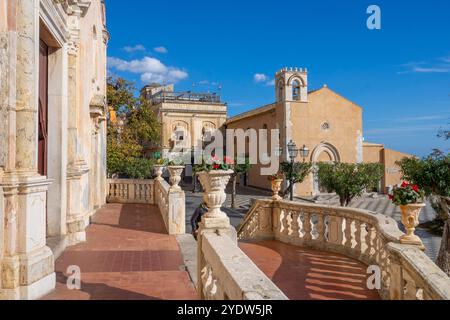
197,218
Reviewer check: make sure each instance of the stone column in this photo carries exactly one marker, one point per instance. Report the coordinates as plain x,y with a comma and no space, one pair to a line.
28,264
57,142
77,169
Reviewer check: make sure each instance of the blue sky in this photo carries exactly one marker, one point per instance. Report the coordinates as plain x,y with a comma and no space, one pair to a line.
400,74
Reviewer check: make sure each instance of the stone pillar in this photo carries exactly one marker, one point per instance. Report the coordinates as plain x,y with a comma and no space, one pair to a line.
77,168
57,145
27,264
214,221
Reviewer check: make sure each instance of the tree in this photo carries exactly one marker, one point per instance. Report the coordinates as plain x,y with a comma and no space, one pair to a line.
296,172
125,141
432,174
349,180
239,168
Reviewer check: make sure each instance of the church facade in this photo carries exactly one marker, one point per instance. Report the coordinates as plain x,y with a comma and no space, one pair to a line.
329,125
52,135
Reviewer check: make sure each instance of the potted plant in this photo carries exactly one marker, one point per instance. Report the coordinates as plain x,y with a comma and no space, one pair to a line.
276,180
175,168
159,168
214,177
410,199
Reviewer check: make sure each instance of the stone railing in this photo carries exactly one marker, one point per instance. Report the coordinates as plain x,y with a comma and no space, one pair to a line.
228,274
170,202
406,272
130,191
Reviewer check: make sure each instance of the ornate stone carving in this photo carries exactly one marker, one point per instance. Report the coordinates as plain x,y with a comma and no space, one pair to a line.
410,219
276,187
214,184
175,177
158,172
75,6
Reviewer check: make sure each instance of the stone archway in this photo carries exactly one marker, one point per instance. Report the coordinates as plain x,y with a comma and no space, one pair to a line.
324,152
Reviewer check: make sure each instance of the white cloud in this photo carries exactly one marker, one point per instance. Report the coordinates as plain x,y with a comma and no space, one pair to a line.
443,66
423,118
138,47
431,70
161,49
407,129
150,69
260,77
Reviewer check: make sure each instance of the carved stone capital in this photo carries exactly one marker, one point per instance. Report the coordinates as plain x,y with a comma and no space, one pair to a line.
75,7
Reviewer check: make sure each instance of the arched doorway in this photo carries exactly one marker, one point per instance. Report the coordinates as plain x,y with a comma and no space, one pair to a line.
324,152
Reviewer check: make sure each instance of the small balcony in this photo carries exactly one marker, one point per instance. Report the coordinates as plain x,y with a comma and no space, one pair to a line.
188,96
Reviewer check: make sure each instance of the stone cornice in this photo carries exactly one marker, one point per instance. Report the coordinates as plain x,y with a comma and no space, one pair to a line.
75,7
54,19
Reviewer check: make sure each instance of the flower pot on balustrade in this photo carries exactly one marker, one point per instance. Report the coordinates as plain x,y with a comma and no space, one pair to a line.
175,177
410,219
214,184
159,169
276,188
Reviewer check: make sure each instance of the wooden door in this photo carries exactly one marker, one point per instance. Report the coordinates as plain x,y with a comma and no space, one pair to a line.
43,108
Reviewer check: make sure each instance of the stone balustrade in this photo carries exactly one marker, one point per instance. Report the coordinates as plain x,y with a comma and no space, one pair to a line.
406,272
228,274
171,203
131,191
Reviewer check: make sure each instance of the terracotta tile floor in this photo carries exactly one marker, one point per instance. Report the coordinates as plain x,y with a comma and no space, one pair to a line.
128,255
304,274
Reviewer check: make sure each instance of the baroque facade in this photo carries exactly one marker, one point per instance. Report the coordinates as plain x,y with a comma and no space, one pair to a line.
186,118
329,125
52,135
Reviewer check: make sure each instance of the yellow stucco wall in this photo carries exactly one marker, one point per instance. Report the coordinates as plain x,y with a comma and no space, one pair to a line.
344,119
392,173
270,118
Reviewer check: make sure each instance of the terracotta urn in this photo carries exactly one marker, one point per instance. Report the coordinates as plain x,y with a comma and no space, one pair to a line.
410,219
214,184
158,171
175,177
276,188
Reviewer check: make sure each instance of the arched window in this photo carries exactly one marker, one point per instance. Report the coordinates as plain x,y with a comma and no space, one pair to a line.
295,90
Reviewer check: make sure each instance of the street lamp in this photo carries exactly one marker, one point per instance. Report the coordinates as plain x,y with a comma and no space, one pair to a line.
293,153
304,152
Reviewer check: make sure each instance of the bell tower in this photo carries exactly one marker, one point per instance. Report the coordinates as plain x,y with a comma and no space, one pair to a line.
291,85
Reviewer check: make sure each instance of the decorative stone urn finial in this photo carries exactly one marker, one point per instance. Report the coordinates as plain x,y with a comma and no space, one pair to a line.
410,219
158,172
276,188
214,184
175,177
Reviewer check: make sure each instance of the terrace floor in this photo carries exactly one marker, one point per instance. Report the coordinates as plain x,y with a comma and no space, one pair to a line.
304,274
128,255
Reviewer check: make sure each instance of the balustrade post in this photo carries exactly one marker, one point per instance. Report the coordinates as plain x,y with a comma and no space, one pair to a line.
396,280
335,230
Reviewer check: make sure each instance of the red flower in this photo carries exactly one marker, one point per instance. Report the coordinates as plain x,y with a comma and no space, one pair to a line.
405,184
416,188
216,166
229,161
391,197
